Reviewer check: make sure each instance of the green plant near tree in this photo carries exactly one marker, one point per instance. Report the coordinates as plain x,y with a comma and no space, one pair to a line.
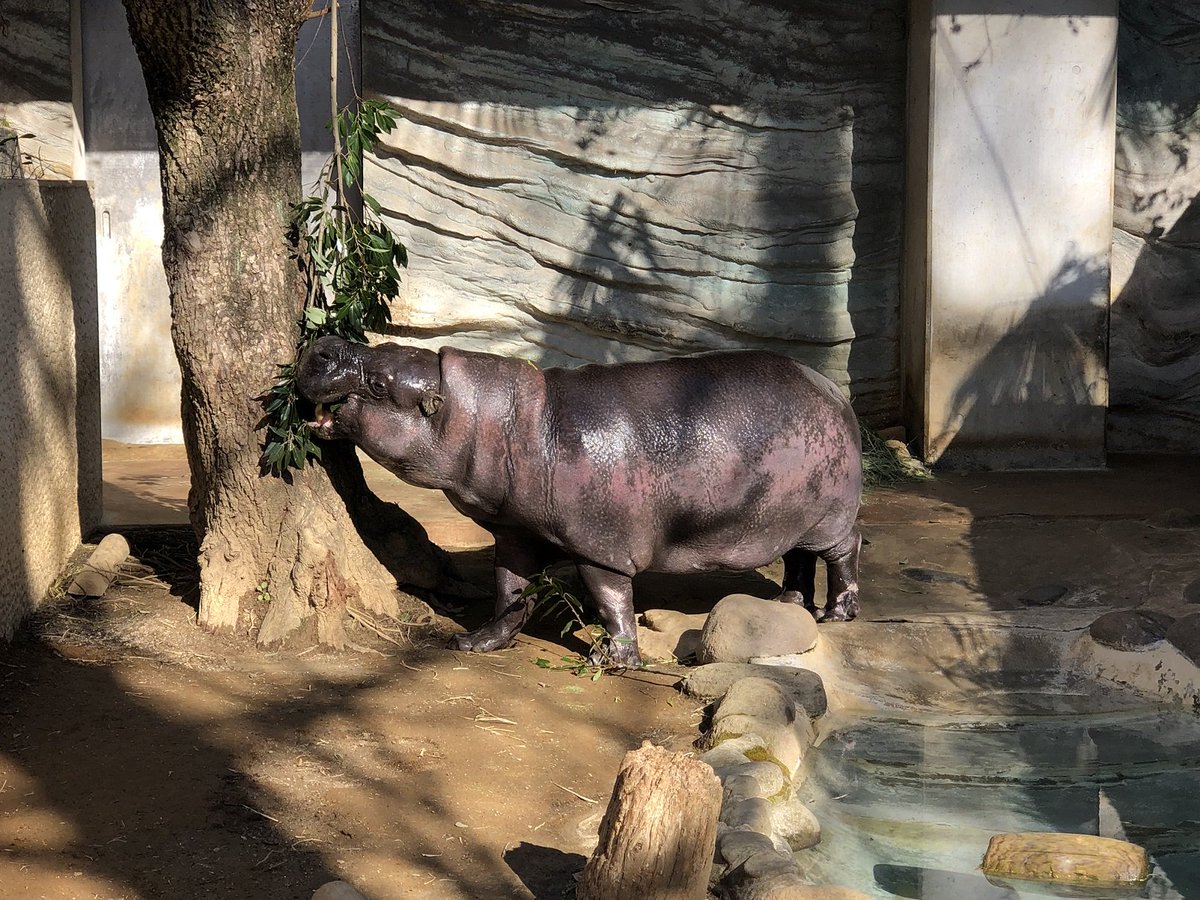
553,598
351,265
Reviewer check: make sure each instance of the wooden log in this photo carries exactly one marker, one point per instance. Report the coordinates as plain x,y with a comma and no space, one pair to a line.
101,567
659,832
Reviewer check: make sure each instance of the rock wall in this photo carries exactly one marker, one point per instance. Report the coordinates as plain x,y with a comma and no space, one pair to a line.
1154,354
596,182
49,364
35,83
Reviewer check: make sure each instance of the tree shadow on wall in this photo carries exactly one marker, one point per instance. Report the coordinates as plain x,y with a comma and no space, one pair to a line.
1037,396
691,177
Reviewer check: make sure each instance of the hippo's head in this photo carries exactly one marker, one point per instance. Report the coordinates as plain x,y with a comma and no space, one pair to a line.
379,397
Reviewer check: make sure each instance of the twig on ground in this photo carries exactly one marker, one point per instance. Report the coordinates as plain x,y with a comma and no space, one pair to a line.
574,793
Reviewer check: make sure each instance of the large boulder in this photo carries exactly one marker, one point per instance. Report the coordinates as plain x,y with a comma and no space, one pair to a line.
742,627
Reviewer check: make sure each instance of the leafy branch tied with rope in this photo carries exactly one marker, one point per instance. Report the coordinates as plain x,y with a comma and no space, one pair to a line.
351,268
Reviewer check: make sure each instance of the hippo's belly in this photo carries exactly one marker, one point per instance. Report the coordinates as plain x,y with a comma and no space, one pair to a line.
706,516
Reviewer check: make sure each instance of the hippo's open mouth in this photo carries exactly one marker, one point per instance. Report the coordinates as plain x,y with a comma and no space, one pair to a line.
322,420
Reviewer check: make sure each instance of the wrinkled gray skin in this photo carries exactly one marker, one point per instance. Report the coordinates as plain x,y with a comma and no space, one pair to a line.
719,461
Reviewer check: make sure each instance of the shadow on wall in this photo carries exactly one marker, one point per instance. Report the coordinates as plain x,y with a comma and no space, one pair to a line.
16,441
586,184
1155,338
1038,393
51,448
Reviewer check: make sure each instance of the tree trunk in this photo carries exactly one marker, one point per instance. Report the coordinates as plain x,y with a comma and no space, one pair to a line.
659,832
222,90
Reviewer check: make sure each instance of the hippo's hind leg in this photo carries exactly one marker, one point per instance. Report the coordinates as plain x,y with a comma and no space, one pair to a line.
518,559
612,593
800,579
841,573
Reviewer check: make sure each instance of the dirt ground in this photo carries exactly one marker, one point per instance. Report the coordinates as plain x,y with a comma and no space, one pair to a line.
145,758
141,757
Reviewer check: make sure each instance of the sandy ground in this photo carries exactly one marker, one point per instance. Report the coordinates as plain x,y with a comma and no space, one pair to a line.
141,757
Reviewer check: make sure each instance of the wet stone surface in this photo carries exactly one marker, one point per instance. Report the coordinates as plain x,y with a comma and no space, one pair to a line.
1043,595
1131,629
889,791
1184,635
1191,593
922,575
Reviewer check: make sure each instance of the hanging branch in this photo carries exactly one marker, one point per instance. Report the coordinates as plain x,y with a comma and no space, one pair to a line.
351,267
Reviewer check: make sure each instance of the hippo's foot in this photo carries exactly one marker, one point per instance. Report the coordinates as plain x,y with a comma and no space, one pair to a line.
483,640
615,653
844,610
798,598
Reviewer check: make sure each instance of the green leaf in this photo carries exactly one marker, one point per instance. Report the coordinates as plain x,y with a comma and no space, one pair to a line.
315,316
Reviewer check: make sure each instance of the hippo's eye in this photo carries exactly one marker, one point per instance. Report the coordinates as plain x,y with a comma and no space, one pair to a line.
377,386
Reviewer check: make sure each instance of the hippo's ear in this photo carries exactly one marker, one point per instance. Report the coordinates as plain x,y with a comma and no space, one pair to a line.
430,403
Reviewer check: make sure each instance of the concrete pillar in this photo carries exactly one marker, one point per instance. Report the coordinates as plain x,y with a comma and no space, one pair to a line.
1009,231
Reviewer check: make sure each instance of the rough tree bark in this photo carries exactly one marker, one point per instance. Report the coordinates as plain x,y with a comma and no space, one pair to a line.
659,832
220,75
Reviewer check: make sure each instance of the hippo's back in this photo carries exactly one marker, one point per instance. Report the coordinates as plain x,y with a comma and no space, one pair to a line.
716,460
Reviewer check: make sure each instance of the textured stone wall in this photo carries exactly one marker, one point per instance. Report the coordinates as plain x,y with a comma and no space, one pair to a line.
49,362
35,82
1154,357
594,182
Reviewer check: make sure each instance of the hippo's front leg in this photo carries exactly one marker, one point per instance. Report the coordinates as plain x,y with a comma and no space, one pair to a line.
612,593
517,560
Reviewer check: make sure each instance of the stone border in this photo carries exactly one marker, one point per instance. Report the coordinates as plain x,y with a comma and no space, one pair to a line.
760,735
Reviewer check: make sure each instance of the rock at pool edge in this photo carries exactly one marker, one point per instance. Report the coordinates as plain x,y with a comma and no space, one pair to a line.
1072,858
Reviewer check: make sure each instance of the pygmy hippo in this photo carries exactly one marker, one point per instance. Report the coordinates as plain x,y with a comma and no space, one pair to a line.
716,461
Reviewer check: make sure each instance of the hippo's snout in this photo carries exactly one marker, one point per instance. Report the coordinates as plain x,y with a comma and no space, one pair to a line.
328,370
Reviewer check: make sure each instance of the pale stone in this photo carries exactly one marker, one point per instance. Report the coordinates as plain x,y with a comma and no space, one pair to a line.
590,198
795,824
742,627
759,697
1007,299
708,682
1074,858
734,752
668,634
784,744
1154,316
337,890
755,779
750,814
735,847
776,876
